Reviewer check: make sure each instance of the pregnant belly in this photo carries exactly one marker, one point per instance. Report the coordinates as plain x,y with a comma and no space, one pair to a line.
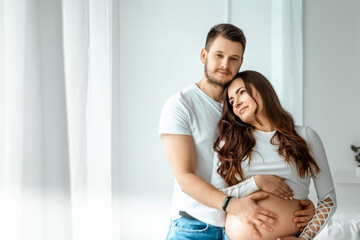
285,209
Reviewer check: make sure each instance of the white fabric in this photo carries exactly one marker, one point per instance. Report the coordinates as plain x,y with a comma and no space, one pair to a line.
55,119
287,55
192,112
242,189
266,160
347,227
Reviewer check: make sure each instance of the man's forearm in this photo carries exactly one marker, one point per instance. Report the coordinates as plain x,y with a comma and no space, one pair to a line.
201,190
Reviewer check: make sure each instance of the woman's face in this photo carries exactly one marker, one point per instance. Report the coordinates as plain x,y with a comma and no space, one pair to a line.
243,105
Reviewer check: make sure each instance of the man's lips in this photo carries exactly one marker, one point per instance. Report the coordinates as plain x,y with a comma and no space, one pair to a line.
223,72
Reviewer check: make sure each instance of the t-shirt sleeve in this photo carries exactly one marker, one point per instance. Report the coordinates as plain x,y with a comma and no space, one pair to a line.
174,118
324,185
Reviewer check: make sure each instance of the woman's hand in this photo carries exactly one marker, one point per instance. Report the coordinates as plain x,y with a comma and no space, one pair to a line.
302,217
275,185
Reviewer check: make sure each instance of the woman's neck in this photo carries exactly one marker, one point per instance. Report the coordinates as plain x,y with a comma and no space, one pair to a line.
265,125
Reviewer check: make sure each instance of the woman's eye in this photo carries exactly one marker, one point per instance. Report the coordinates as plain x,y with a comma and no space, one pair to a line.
231,103
242,92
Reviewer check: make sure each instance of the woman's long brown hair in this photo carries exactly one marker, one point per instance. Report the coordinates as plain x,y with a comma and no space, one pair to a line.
236,138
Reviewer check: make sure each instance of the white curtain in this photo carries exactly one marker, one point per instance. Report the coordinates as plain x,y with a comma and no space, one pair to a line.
287,55
57,125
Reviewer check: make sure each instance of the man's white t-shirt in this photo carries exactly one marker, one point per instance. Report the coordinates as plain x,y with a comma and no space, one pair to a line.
192,112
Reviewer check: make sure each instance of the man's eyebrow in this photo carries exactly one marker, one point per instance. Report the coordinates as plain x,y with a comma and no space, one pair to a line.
219,51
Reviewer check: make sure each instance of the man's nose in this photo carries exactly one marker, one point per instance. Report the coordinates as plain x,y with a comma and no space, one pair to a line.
225,63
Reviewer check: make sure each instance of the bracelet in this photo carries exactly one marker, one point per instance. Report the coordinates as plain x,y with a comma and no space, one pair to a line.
226,202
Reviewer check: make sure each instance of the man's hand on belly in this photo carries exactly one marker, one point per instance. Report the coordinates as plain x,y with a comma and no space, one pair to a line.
303,217
290,238
248,211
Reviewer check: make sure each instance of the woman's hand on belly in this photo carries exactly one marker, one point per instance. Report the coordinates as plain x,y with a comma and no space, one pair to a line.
274,185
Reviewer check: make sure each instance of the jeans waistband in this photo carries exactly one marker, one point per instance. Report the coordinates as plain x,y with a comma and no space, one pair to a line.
186,215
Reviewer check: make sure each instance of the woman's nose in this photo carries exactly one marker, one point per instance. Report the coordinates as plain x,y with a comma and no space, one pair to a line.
237,102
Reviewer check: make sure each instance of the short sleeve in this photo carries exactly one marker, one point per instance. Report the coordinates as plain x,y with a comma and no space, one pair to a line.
174,118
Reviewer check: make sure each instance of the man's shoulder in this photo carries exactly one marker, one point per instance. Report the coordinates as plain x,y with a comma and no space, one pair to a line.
184,96
185,93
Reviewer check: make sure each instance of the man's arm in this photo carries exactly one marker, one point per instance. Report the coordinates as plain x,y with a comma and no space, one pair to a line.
180,153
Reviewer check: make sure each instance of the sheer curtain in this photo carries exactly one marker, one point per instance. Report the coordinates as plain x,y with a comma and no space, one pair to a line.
287,55
57,119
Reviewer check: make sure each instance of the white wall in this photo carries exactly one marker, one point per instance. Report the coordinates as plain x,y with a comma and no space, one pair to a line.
332,76
332,86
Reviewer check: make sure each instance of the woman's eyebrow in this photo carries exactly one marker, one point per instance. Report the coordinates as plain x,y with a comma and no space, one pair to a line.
237,91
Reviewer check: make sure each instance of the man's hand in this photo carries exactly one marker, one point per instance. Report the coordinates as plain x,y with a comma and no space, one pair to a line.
275,185
249,212
303,217
290,238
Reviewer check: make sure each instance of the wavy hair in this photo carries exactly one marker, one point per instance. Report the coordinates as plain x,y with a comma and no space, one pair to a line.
236,138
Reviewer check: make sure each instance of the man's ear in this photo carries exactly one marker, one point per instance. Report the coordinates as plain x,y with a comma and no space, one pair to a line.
203,55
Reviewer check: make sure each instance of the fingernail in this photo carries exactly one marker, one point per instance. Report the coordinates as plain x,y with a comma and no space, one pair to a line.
286,198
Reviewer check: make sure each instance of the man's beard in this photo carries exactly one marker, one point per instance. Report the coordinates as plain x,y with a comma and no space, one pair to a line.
213,80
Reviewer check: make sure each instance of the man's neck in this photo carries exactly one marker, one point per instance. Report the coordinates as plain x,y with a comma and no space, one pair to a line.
213,91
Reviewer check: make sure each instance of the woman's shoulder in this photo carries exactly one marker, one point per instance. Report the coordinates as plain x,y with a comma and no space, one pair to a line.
305,132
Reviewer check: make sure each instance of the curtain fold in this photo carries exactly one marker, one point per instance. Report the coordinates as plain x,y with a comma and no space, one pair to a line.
287,55
56,119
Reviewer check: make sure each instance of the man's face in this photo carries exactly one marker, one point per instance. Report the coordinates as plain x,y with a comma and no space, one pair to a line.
222,61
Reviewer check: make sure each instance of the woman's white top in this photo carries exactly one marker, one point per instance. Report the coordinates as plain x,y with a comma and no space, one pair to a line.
266,160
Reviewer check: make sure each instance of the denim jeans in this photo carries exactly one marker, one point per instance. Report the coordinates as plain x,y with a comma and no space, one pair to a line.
187,229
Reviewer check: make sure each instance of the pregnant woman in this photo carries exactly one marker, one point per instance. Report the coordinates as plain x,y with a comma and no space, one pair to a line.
258,137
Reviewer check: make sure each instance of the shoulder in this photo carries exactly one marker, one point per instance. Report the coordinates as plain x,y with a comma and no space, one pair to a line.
307,133
181,98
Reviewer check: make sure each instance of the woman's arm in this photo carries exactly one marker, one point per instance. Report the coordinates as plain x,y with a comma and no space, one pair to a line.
268,183
324,185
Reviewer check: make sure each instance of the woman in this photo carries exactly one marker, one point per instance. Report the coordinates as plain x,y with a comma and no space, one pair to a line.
258,137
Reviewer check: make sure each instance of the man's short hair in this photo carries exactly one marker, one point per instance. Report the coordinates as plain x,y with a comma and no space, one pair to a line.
227,31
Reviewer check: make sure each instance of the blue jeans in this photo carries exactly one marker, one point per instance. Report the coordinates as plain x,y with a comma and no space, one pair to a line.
187,229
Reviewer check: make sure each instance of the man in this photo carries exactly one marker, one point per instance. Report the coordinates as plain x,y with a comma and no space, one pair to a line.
188,128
